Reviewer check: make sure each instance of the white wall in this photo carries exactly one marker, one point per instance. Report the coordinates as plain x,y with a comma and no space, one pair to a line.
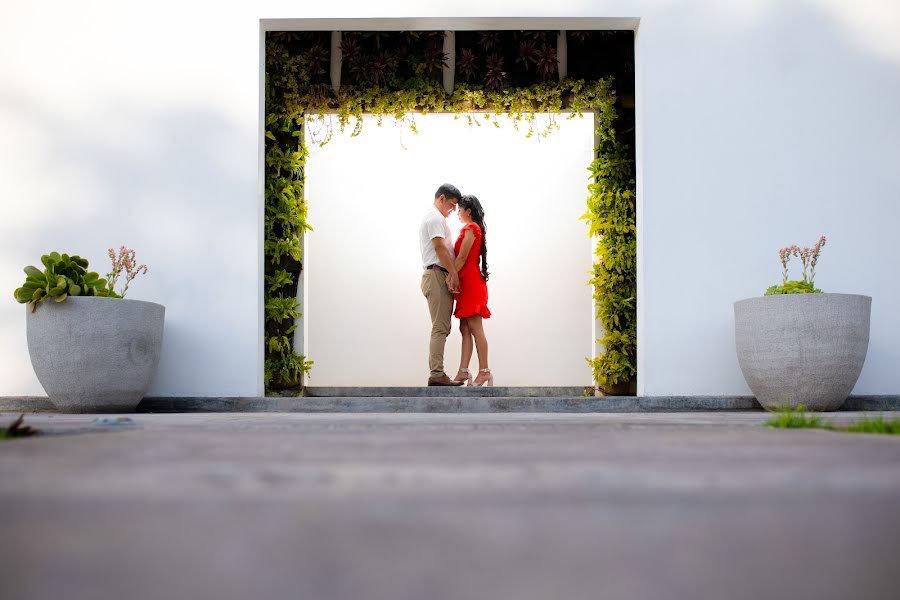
366,320
764,125
761,123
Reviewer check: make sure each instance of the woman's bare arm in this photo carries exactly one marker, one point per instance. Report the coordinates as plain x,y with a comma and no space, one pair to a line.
465,248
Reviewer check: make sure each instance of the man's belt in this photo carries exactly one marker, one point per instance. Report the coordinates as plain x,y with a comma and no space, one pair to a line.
439,267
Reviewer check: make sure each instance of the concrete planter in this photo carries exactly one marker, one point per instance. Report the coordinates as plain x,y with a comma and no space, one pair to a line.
802,348
95,354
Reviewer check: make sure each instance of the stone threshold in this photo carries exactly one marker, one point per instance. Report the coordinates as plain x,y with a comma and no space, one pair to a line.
572,391
454,404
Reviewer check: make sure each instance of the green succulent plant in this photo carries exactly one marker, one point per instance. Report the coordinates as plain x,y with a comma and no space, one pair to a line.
793,287
63,276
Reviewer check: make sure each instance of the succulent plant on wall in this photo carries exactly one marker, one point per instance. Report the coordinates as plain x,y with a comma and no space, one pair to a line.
391,59
547,62
527,54
379,69
465,66
435,59
489,40
495,76
317,58
355,59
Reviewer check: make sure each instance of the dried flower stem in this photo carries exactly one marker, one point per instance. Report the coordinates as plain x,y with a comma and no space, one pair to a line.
784,254
804,259
808,258
814,257
123,261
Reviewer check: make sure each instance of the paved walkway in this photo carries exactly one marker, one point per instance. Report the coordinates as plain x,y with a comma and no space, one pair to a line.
433,507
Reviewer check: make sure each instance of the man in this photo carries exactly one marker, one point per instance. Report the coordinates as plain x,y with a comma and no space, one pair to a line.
440,278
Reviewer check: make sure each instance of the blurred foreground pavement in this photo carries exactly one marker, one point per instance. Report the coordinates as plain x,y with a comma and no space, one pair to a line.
433,507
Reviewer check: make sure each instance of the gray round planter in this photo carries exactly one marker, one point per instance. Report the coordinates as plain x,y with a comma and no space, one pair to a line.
802,348
95,354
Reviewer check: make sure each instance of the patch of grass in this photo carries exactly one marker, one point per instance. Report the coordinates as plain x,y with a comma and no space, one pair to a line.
17,429
875,425
798,418
794,418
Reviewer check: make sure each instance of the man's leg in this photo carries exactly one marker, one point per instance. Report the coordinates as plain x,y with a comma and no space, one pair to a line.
440,305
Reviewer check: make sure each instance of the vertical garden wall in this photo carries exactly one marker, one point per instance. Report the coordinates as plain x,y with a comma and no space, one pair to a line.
399,74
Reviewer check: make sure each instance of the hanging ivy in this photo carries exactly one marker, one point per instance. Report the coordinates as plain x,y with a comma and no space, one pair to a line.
285,209
398,75
611,215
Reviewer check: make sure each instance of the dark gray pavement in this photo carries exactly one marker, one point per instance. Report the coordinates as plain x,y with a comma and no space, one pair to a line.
439,506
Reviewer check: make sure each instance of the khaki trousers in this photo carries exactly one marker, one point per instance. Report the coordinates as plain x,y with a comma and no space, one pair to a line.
440,305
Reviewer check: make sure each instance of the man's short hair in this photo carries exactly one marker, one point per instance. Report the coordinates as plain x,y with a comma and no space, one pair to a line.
449,191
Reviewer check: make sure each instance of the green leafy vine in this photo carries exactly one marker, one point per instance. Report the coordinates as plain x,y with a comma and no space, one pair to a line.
611,214
296,95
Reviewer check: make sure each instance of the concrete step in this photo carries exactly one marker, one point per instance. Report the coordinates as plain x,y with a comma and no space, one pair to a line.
449,392
447,404
485,404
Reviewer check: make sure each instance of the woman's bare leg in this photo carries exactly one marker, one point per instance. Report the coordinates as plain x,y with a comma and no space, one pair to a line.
468,345
481,346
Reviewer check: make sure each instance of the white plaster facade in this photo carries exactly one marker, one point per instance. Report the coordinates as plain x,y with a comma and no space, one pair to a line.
760,123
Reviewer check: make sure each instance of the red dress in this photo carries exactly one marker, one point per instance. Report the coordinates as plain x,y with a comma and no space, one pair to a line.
472,297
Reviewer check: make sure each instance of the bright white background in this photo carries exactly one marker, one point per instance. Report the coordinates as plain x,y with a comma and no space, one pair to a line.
367,321
761,123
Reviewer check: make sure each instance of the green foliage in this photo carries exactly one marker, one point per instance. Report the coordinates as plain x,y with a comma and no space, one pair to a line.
285,222
611,218
396,75
63,276
286,370
280,279
875,425
423,96
285,207
18,429
793,287
280,308
787,418
796,418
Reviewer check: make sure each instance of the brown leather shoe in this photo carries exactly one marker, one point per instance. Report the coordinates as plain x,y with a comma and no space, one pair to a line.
443,380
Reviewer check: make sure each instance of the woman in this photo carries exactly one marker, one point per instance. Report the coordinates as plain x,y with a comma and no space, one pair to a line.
471,300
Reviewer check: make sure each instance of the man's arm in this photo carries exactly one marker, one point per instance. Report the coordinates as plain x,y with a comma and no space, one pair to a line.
447,262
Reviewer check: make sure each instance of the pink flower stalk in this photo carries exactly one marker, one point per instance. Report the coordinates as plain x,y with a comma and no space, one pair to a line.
808,258
785,255
795,250
804,259
814,257
123,261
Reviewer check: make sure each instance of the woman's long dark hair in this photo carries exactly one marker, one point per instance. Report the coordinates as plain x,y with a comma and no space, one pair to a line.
472,203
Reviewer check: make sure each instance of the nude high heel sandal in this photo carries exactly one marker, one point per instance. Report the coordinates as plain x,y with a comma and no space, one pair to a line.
489,382
468,378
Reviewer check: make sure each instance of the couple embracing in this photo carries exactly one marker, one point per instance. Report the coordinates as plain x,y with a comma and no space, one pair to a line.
453,275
